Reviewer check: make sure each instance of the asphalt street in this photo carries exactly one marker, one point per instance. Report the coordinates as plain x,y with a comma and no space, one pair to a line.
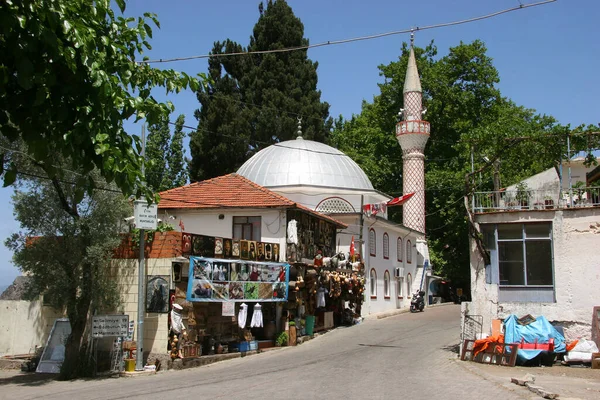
408,356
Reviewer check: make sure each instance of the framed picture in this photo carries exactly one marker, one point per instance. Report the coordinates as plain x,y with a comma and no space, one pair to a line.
260,251
235,248
268,252
157,294
227,248
218,247
252,250
244,249
275,252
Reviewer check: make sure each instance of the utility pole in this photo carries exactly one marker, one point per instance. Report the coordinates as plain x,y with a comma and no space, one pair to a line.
496,165
139,355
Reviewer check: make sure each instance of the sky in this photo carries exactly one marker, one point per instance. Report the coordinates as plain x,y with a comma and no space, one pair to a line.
547,56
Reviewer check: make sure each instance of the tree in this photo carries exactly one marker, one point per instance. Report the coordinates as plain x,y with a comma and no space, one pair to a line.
255,100
467,114
67,254
165,168
70,75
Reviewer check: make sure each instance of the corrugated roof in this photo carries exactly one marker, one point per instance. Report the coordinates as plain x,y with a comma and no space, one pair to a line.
230,191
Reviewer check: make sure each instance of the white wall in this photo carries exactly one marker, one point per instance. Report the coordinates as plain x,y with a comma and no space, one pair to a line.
207,222
24,325
379,303
576,238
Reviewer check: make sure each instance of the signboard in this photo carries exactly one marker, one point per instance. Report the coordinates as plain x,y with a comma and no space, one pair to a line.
222,280
146,216
110,325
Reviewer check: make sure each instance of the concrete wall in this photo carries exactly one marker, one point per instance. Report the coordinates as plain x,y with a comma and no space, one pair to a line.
24,325
155,324
576,237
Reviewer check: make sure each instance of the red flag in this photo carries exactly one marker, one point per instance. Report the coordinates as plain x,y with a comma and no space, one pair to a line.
181,225
398,201
352,247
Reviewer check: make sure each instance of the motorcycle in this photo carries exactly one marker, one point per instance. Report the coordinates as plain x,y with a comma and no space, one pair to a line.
418,302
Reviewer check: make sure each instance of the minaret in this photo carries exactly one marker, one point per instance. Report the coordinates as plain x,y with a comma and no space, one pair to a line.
412,134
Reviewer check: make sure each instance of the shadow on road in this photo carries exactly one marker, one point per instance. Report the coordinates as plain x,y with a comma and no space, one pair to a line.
455,348
30,379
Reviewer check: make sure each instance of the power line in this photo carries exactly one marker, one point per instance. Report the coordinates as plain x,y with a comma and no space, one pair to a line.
356,39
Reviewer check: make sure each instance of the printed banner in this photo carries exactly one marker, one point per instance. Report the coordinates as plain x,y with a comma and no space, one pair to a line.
219,280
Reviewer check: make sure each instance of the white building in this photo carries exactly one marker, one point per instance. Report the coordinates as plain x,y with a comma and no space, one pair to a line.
542,256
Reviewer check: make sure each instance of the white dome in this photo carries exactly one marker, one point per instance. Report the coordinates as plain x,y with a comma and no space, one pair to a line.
304,162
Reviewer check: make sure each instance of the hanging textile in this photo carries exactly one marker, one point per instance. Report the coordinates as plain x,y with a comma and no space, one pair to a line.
243,315
292,232
257,317
321,297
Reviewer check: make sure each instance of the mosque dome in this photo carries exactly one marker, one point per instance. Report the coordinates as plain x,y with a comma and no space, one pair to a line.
304,162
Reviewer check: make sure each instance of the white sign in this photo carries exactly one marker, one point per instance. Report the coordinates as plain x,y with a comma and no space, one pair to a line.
110,325
228,309
146,216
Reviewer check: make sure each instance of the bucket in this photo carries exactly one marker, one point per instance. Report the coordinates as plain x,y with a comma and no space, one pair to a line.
310,324
130,364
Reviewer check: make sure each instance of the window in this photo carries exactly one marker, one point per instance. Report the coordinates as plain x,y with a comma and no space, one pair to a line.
386,284
373,283
521,261
386,246
247,228
372,242
408,251
408,284
400,290
399,249
525,254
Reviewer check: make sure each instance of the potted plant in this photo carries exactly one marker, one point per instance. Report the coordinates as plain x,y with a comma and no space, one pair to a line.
281,340
522,195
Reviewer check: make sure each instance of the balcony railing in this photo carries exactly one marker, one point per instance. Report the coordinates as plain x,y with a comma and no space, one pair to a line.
513,200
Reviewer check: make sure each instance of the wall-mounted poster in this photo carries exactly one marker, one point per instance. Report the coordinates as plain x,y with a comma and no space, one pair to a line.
203,246
157,294
260,251
218,247
235,248
252,250
217,280
244,249
227,250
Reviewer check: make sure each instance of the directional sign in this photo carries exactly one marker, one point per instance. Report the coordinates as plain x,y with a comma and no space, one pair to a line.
145,215
110,325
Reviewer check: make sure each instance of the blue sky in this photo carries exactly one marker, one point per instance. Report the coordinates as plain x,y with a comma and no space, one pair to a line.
547,56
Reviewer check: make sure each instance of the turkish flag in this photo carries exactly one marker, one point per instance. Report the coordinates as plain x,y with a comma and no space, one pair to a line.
352,246
398,201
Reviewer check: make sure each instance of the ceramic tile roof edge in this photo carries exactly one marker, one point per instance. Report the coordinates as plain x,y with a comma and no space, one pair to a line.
287,203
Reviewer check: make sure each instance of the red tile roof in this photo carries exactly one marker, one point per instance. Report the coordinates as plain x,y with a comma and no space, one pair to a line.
229,191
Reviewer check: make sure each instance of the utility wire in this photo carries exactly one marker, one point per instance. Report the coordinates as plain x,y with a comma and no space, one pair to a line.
356,39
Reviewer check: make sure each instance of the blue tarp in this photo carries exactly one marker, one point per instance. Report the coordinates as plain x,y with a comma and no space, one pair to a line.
540,329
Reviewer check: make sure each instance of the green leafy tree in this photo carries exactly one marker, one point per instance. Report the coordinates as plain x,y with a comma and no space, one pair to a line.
67,254
70,76
467,114
255,100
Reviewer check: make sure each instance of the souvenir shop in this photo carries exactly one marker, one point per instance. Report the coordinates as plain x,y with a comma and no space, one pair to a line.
237,295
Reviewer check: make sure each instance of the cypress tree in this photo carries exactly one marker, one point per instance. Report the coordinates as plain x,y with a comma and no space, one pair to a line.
255,100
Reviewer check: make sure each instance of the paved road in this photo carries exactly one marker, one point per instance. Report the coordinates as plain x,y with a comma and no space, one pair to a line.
408,356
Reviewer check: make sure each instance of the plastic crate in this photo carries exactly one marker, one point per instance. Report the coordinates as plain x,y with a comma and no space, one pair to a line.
253,344
244,347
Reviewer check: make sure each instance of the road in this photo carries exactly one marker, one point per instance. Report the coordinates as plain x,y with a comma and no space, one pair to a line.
408,356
